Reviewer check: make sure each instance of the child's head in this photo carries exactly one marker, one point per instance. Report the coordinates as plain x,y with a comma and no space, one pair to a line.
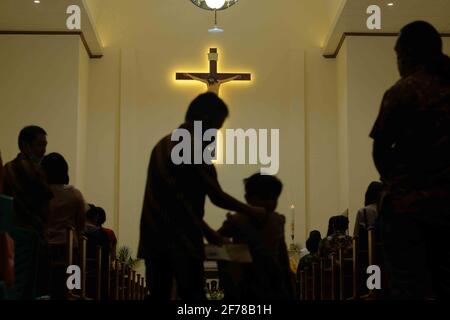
263,191
312,244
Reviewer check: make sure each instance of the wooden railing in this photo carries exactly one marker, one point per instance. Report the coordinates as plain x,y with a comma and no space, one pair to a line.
339,276
122,283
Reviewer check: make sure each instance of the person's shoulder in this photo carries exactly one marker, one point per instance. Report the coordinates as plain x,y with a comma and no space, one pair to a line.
279,218
405,87
74,193
20,162
360,213
73,190
371,208
10,163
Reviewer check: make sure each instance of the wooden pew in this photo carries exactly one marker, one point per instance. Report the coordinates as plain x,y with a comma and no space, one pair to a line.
115,284
128,284
83,249
376,258
302,285
81,294
122,281
315,281
328,278
138,288
108,278
144,290
355,269
69,255
342,277
309,283
133,285
346,274
306,284
98,273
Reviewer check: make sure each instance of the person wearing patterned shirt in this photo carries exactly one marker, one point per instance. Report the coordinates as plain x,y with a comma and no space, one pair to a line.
411,152
339,238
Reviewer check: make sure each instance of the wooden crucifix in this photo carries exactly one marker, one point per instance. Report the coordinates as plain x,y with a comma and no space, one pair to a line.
213,79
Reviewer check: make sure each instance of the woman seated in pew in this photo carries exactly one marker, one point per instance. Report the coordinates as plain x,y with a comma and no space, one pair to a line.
66,209
338,239
307,261
312,244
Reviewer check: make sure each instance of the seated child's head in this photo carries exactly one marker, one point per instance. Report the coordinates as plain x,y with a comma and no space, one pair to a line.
312,244
263,191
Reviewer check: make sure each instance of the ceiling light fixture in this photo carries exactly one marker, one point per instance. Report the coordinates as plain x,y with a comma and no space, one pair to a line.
214,5
37,1
215,29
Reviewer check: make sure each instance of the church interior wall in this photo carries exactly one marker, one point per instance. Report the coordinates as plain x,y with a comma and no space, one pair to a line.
41,86
112,111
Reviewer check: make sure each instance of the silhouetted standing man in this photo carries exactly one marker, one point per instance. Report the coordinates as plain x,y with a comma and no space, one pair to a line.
412,154
26,183
172,226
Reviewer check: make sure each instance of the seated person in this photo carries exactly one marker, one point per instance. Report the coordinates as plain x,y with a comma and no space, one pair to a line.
67,209
269,275
338,239
330,226
96,237
111,235
367,217
312,244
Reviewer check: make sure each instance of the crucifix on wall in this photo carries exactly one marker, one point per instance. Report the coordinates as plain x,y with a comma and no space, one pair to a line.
213,79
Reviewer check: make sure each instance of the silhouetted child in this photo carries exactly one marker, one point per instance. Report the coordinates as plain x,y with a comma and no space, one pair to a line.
269,275
101,219
96,237
312,244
